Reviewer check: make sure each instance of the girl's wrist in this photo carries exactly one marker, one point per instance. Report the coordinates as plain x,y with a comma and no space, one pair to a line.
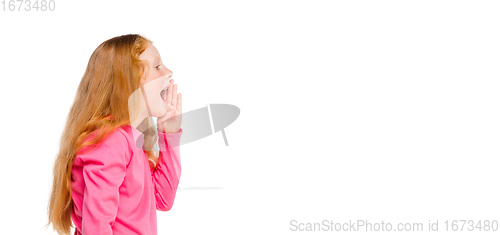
168,132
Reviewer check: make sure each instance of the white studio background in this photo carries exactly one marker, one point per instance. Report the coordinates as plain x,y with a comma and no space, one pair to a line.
350,110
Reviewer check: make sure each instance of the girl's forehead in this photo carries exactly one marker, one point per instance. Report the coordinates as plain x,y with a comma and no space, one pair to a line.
150,52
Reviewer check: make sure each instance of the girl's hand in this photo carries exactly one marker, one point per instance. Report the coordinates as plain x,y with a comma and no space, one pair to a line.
171,122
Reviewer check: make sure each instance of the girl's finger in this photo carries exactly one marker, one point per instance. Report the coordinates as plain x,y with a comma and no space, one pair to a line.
179,103
169,92
174,96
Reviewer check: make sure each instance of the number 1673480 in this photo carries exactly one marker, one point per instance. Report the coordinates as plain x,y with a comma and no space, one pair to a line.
28,5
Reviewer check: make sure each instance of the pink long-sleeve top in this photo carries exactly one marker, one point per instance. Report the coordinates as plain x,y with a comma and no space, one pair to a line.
114,189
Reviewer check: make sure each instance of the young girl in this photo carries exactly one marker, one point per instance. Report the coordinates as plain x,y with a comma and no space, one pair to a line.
103,181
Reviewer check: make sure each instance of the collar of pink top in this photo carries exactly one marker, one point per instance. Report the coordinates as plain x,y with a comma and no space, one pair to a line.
138,136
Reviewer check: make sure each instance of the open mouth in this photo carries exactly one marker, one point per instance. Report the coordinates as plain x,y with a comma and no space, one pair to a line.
163,94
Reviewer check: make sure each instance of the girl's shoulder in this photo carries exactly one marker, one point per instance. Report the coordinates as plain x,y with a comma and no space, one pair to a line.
117,143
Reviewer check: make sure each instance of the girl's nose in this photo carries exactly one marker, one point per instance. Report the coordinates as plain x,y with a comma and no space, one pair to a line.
169,74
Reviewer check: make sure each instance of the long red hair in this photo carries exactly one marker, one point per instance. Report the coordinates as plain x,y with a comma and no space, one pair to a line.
101,103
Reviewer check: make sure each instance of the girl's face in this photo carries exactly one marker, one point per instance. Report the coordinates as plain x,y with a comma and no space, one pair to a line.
155,82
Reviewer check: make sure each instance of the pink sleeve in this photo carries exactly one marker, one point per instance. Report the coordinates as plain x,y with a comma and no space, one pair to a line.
104,170
167,174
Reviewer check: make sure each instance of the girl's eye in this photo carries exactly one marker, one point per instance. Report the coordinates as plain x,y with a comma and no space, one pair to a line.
157,66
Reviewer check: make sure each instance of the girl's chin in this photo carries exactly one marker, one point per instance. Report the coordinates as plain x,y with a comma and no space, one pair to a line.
162,113
159,112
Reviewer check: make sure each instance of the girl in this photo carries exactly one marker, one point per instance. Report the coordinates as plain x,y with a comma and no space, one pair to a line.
103,181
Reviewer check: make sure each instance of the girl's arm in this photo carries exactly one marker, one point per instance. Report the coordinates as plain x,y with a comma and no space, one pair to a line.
104,170
167,174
